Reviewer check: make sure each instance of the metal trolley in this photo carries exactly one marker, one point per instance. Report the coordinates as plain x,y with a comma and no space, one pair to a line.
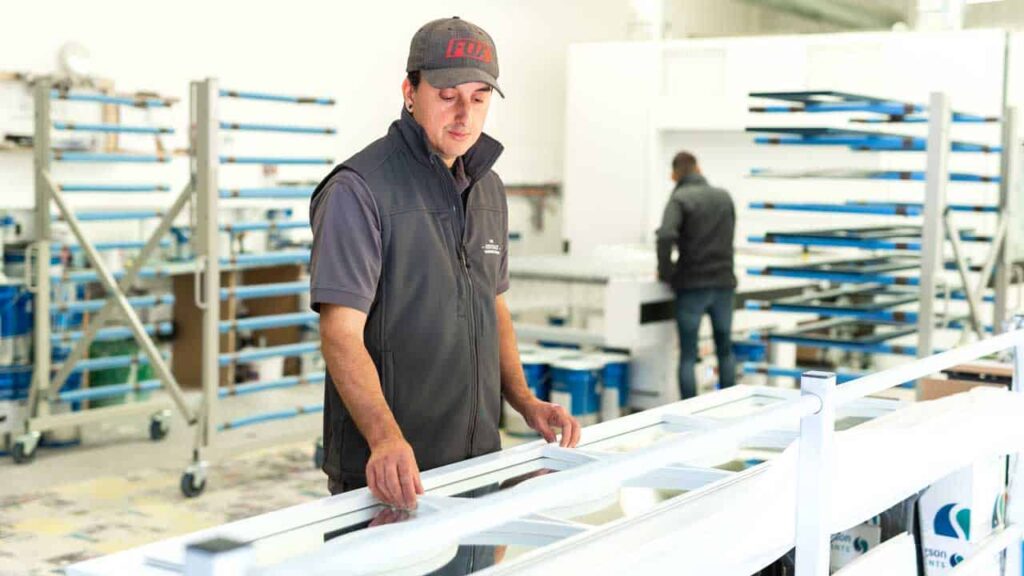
49,378
207,159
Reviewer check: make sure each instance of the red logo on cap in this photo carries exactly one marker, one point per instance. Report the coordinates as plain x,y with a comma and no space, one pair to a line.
469,48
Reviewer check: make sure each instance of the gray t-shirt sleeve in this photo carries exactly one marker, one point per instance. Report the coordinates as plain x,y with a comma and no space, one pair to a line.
346,259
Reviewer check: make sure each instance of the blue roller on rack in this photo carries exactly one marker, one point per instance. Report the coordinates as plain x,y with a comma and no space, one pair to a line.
249,95
268,416
101,157
111,245
271,321
238,227
279,192
825,101
274,160
110,216
872,208
868,348
264,290
114,188
108,391
136,302
281,383
111,362
866,244
860,140
908,175
111,128
268,352
112,333
267,258
137,101
240,126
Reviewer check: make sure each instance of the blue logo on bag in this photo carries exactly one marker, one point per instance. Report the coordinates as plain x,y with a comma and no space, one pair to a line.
860,545
953,521
955,559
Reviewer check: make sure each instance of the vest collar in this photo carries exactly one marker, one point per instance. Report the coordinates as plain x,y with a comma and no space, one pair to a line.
477,161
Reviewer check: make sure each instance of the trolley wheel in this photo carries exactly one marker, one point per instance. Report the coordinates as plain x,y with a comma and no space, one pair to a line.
158,429
189,487
22,452
318,454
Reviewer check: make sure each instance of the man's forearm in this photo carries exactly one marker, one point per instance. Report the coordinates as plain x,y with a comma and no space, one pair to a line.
355,377
665,264
513,381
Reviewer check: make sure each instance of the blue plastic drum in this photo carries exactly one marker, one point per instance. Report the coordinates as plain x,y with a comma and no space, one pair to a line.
615,385
575,384
15,325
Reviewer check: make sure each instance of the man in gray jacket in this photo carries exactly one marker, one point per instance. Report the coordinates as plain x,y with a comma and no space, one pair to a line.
700,222
409,264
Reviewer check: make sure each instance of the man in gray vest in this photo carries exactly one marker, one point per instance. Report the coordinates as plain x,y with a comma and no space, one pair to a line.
409,264
700,222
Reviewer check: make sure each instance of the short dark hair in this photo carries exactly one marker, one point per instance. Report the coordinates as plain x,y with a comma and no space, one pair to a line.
414,79
684,164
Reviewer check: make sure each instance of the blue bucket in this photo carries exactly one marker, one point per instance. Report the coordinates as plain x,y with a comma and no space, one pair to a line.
535,367
15,325
616,376
15,381
575,385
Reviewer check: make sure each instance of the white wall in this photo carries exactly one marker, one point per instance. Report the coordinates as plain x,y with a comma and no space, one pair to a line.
354,51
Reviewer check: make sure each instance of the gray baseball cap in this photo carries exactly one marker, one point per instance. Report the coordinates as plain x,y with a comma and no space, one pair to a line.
452,51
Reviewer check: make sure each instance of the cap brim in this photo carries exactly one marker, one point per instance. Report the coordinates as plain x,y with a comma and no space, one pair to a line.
452,77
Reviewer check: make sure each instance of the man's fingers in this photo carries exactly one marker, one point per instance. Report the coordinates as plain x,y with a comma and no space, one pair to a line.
416,479
577,432
545,430
566,424
371,483
405,477
394,485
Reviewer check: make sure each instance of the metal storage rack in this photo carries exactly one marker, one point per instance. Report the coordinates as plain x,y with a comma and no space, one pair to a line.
206,161
864,304
49,378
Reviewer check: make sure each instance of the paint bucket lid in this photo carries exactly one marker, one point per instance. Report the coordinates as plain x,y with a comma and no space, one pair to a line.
613,357
582,364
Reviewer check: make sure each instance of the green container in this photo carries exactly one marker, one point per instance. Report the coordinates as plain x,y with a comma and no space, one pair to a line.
113,376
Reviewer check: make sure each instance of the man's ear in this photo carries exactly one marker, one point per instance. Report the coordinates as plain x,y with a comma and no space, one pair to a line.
408,94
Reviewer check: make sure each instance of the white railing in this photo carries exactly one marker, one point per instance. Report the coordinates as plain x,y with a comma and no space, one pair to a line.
816,409
813,538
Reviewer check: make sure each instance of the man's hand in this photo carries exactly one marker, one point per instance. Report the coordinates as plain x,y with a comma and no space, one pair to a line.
392,474
543,416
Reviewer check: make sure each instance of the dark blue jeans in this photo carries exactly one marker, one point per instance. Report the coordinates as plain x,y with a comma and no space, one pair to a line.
691,306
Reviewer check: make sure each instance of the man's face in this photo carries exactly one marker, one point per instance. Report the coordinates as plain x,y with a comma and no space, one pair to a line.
452,118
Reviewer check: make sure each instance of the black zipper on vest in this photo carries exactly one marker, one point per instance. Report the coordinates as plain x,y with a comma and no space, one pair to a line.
464,262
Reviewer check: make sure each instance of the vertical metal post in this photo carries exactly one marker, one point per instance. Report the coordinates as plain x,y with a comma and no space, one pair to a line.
814,476
41,346
206,162
933,237
1009,172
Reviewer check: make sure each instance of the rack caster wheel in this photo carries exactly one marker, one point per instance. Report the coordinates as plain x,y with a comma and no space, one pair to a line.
24,449
159,426
191,485
318,454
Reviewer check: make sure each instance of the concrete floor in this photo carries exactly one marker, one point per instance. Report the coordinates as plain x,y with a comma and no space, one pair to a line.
121,446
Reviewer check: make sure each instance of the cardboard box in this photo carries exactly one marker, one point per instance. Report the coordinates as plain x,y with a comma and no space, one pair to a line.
959,511
933,388
851,544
